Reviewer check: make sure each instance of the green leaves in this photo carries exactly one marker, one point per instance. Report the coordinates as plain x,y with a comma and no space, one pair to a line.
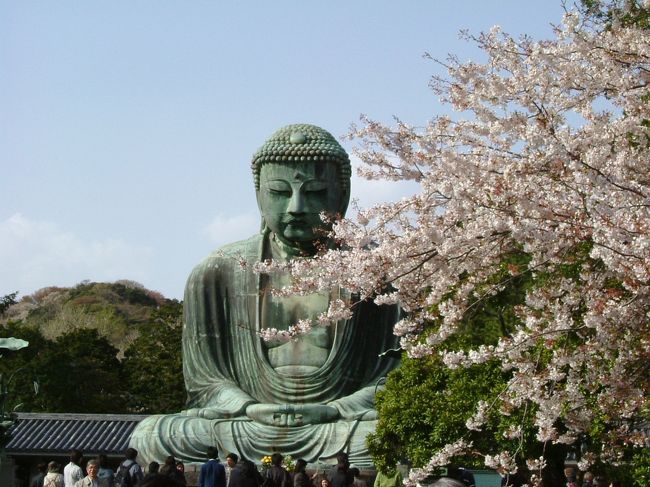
95,348
152,365
6,301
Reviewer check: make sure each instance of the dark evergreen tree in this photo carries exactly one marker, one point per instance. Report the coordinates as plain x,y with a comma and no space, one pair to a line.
81,374
153,368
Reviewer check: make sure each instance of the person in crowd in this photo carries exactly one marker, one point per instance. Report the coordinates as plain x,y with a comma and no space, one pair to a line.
152,469
588,479
37,480
54,477
180,469
169,466
300,477
317,477
92,480
277,475
169,469
158,480
245,474
324,482
129,473
72,472
104,471
599,481
341,476
357,480
466,477
212,473
511,479
388,478
231,462
571,478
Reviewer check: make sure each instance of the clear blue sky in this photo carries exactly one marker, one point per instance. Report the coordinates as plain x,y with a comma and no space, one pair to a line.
127,127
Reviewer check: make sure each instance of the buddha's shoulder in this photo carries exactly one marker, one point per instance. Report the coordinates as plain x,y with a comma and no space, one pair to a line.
231,255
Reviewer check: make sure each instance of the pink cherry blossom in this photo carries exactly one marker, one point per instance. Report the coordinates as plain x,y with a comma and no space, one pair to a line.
548,154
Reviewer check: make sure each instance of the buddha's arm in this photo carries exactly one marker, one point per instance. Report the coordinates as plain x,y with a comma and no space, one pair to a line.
359,405
212,391
224,401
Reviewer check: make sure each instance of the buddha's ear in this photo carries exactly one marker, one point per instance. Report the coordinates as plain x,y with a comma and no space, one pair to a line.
345,201
263,227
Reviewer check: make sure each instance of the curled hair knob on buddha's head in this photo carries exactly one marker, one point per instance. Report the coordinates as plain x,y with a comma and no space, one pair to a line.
302,143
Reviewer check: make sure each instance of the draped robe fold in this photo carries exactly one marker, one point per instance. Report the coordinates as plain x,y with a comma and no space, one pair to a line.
226,369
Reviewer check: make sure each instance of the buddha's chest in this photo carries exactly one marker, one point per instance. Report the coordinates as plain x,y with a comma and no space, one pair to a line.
304,353
283,311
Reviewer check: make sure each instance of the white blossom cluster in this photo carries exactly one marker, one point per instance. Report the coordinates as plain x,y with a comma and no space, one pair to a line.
439,459
549,156
274,335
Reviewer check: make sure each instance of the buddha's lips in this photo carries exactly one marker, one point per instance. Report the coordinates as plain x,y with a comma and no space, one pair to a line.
301,220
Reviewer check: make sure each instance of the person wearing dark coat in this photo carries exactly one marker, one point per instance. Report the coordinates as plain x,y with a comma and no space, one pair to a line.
39,478
300,477
245,474
169,469
341,475
152,470
212,474
276,475
157,480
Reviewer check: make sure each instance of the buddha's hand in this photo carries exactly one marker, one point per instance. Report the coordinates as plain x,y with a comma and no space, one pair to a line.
207,413
291,414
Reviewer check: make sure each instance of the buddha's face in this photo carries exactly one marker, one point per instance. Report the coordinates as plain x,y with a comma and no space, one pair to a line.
292,196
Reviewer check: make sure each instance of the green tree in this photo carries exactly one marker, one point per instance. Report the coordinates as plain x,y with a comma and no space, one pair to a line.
627,12
6,301
81,374
76,337
425,403
153,370
20,368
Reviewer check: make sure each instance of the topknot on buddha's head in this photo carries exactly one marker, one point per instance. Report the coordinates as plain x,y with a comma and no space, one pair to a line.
302,143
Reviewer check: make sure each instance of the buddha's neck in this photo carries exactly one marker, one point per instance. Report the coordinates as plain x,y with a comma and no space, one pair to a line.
283,250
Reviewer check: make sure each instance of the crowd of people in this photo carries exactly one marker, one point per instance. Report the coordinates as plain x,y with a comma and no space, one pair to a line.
588,479
234,472
99,474
240,472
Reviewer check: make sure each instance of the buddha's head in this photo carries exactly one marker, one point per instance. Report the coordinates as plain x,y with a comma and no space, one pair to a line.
301,171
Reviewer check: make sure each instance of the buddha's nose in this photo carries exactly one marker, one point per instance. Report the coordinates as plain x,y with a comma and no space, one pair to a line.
296,203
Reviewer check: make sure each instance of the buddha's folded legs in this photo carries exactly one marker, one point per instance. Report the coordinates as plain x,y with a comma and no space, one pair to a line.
187,438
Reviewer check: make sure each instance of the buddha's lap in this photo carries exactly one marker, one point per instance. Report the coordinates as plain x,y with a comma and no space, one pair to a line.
188,438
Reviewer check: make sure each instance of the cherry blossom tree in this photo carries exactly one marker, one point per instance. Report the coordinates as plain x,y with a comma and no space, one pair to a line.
547,156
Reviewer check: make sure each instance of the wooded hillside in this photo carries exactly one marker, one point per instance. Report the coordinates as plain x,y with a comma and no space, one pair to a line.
93,348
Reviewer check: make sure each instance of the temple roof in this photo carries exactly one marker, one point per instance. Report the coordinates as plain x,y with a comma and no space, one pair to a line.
57,434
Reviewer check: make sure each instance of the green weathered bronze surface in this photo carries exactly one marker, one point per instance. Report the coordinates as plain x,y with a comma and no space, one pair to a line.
311,397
